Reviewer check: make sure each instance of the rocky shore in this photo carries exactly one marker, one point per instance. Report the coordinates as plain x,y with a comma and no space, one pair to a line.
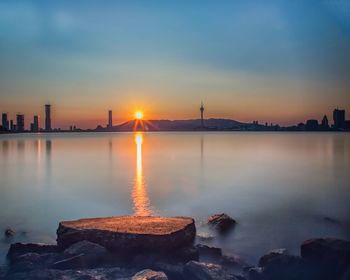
159,248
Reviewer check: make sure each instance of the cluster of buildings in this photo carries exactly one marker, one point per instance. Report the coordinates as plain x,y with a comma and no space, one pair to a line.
339,123
18,125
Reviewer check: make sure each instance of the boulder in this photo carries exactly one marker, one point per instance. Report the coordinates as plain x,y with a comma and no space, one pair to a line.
207,252
129,233
288,267
173,270
256,273
329,256
233,260
326,250
222,222
17,249
148,274
206,271
271,254
31,261
86,248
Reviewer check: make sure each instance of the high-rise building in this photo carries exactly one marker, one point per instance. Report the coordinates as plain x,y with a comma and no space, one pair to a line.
325,124
20,122
5,122
48,117
110,122
202,114
339,118
35,125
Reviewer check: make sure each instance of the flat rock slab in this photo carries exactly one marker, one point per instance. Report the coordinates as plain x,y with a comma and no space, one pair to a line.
129,233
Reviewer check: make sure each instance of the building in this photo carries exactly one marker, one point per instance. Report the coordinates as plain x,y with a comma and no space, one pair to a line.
20,122
325,124
311,125
339,118
48,117
202,114
34,127
110,122
5,122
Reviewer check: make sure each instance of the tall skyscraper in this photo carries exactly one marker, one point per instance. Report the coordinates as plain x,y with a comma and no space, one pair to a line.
35,124
48,117
202,114
110,122
20,122
339,118
5,122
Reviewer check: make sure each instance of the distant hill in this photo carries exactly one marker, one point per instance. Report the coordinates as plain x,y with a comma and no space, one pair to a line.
194,124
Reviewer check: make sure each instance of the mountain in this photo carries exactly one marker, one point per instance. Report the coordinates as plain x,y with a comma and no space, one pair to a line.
194,124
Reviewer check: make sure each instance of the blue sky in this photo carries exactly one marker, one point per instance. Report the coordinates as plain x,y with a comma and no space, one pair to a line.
275,61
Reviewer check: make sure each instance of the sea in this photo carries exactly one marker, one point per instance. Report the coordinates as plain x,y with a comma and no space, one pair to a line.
281,187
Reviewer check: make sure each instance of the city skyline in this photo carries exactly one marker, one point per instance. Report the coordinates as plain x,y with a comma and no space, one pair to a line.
281,62
339,118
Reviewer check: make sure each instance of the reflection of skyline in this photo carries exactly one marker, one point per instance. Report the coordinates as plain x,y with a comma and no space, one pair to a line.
141,203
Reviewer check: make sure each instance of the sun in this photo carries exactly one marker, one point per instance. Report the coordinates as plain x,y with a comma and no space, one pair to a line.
139,115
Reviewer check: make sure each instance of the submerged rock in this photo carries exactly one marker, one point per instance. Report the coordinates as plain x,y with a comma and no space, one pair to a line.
129,233
148,274
222,222
9,232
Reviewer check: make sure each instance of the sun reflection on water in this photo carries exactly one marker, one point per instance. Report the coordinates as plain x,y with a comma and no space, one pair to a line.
140,197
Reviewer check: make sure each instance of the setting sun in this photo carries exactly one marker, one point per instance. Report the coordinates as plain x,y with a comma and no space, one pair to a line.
138,115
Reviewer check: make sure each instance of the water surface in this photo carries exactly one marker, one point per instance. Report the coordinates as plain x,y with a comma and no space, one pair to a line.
281,187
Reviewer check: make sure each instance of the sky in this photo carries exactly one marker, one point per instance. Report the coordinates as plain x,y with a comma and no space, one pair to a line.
272,61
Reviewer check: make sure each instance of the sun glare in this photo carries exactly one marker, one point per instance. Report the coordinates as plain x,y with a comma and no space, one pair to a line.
138,115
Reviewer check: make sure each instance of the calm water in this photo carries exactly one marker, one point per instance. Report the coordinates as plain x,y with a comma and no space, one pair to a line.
279,186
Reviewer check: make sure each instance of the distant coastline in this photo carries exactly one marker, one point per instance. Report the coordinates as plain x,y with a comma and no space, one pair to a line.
193,125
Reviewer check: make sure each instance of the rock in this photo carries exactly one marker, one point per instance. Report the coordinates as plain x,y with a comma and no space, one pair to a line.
255,273
233,260
206,271
271,254
204,236
209,252
288,267
77,261
173,270
329,255
87,248
326,250
31,261
9,232
148,274
17,249
130,233
222,222
184,254
114,273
